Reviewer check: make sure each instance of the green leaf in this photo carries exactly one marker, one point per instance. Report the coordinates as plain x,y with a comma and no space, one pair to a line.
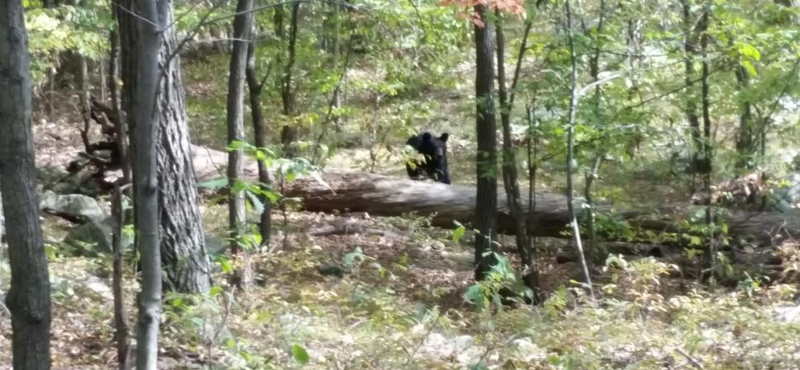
458,233
749,51
225,265
300,354
257,204
214,184
751,70
351,257
215,291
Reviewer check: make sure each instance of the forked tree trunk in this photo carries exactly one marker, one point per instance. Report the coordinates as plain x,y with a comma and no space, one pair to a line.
28,299
235,119
183,249
530,274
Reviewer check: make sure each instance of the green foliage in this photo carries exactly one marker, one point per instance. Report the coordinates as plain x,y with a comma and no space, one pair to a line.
80,29
300,354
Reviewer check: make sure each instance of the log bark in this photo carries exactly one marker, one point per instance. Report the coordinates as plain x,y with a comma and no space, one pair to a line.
390,196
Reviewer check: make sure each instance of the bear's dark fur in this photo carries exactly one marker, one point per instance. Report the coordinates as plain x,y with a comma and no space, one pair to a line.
434,149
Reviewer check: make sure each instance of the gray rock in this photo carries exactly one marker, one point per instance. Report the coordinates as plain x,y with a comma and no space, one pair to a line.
214,245
94,238
73,205
98,286
438,347
786,197
790,314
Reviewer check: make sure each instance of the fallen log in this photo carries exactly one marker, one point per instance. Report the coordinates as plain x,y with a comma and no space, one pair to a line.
389,196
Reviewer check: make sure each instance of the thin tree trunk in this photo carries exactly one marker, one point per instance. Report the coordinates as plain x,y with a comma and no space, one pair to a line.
597,255
690,50
289,132
51,72
596,252
114,92
241,276
255,87
571,152
510,176
145,138
486,200
28,299
103,83
337,51
746,147
120,317
709,256
84,99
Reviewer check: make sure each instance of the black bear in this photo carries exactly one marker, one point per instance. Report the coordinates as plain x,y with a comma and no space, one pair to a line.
434,149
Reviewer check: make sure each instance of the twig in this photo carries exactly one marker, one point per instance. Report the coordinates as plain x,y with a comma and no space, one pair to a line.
419,345
692,361
332,102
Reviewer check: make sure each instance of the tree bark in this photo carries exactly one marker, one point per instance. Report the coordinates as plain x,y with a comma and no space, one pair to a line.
255,87
28,299
183,249
486,199
147,112
242,23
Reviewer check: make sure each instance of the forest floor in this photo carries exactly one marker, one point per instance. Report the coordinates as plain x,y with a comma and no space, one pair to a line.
401,304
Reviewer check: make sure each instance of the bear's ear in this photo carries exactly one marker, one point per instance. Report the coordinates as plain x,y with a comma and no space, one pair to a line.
426,136
444,137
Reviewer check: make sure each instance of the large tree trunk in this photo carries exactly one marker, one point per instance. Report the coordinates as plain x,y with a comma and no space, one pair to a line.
183,251
235,119
28,300
486,199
